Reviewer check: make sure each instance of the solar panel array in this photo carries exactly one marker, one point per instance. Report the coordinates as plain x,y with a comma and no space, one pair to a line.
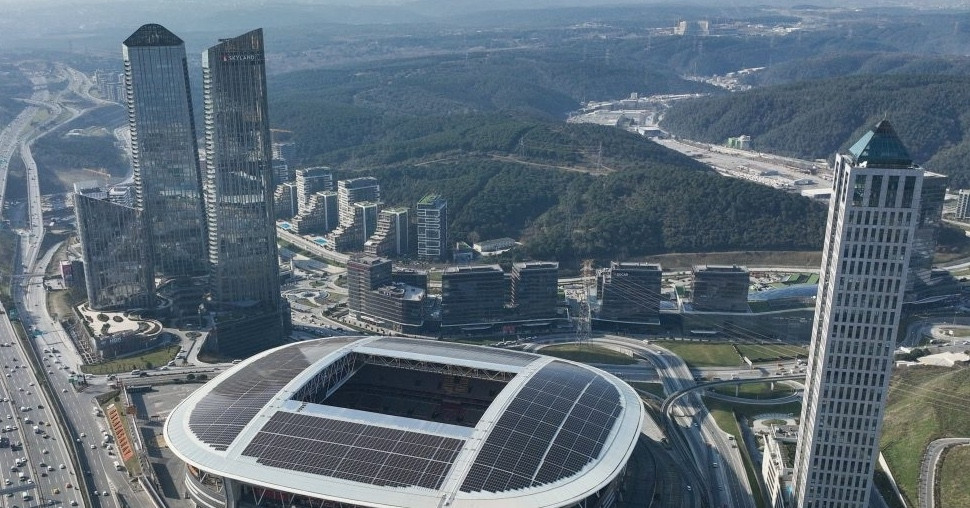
555,426
353,451
222,414
456,351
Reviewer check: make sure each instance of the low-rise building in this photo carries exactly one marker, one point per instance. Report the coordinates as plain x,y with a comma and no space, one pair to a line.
777,463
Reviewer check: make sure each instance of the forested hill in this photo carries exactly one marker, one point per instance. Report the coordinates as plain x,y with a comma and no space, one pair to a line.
572,192
814,119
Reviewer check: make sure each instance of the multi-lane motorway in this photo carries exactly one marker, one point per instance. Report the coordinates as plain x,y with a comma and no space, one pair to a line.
42,448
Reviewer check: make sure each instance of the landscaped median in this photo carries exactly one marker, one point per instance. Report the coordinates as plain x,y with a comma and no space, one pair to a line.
588,353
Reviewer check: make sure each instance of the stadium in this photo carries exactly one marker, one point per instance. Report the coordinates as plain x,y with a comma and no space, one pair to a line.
387,421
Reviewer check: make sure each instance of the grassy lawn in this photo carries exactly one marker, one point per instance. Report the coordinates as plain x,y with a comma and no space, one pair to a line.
953,478
149,360
757,390
587,353
654,388
764,353
925,403
752,410
956,332
725,419
703,354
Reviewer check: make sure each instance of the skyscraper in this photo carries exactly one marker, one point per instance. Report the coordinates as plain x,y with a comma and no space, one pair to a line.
117,268
244,273
432,213
869,235
168,186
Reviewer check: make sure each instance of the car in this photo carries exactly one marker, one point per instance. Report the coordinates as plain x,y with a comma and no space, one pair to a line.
50,468
97,493
57,490
93,446
106,493
68,486
62,466
31,384
689,488
714,464
46,451
84,435
63,390
73,502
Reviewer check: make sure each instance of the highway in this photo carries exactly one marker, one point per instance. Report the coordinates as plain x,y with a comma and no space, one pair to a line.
45,448
717,463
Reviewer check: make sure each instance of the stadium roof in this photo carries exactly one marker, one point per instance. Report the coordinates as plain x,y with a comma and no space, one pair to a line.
555,434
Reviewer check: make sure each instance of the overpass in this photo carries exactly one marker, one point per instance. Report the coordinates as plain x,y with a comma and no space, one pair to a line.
669,401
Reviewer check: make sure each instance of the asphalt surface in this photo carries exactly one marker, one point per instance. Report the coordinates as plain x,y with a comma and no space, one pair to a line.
929,467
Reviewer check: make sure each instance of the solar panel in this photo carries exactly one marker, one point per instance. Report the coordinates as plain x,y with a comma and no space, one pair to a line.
353,451
222,414
553,428
456,351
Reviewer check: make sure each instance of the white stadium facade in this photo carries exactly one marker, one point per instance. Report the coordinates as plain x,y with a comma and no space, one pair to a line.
395,422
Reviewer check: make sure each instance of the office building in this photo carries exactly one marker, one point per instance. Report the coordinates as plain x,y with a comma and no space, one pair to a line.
922,283
432,234
310,181
392,235
389,421
244,273
472,296
117,261
629,293
164,152
375,297
535,293
319,216
872,221
720,288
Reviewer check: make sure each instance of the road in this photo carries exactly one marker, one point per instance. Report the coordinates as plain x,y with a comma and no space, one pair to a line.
19,382
929,466
717,465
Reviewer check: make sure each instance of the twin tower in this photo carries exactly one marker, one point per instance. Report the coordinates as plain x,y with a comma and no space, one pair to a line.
208,216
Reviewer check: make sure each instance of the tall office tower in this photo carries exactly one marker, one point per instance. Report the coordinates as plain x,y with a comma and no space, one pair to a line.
244,274
534,289
472,295
720,288
432,214
922,283
629,293
117,261
392,235
164,152
355,190
872,220
310,181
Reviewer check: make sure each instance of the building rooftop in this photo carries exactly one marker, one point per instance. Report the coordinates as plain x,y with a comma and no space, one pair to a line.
152,35
553,433
881,147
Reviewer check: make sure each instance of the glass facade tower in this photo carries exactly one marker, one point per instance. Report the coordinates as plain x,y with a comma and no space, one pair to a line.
869,238
244,270
168,185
